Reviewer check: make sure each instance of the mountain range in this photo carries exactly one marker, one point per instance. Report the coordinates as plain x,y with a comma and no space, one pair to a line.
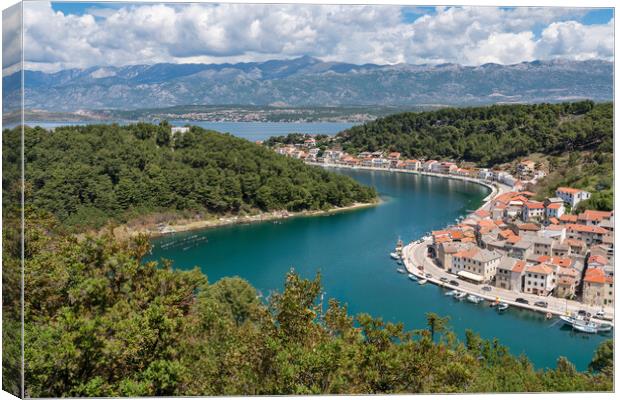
308,81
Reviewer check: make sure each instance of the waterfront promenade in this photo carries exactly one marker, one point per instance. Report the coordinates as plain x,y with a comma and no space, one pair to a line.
415,254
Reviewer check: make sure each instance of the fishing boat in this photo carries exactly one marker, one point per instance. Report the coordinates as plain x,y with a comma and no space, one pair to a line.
422,281
399,245
412,277
451,293
502,307
395,255
400,270
585,327
472,298
460,295
604,328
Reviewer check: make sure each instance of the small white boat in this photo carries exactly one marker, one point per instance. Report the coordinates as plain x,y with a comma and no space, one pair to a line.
472,298
400,270
604,327
422,281
412,277
451,293
460,295
502,307
585,328
395,255
399,262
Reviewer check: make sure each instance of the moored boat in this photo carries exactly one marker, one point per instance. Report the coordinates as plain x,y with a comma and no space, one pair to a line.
604,328
451,293
400,270
585,327
502,307
412,277
472,298
460,295
422,281
395,255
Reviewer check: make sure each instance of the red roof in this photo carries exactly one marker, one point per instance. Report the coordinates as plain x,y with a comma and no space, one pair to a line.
568,218
596,275
519,266
563,262
540,269
534,204
482,213
555,206
587,228
554,221
528,226
592,215
569,190
597,259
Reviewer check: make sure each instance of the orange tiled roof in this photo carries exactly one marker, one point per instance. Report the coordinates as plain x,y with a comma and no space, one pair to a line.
506,233
540,269
575,242
519,266
597,259
467,253
534,204
482,213
555,206
592,215
587,228
563,262
568,218
554,220
528,226
596,275
569,190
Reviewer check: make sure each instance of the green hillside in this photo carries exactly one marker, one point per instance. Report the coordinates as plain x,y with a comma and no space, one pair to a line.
575,139
99,322
86,175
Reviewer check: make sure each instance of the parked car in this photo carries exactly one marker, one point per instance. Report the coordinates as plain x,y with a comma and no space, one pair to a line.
487,288
600,314
443,279
428,275
453,282
521,300
542,304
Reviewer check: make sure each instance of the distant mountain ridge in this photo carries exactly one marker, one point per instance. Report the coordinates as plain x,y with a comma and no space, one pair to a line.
308,81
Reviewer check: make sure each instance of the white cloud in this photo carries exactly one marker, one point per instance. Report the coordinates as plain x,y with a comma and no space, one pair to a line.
150,33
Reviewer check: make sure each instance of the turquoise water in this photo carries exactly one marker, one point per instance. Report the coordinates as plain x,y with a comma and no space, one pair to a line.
251,131
254,131
351,251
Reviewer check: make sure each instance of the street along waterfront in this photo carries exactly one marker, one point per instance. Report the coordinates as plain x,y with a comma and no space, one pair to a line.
351,249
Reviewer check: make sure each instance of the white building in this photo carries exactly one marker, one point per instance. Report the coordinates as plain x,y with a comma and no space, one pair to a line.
539,279
476,264
572,196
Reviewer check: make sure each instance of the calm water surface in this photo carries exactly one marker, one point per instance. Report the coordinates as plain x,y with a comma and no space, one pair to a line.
351,251
254,131
251,131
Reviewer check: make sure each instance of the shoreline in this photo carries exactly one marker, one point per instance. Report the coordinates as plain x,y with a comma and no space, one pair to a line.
187,225
492,186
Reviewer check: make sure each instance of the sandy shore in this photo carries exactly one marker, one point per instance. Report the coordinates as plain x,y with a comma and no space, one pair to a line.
185,225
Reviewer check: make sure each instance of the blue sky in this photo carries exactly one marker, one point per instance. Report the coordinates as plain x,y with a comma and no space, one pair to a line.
409,14
84,34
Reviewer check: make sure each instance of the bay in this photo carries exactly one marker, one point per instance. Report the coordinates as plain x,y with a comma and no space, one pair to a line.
351,249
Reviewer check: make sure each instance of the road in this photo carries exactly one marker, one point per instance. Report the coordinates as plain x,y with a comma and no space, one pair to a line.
415,255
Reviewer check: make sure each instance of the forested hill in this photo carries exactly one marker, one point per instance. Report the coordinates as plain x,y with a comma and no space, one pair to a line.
86,175
488,135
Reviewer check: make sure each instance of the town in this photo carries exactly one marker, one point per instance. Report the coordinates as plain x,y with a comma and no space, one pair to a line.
540,249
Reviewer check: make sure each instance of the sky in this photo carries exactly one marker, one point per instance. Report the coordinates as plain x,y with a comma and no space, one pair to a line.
61,35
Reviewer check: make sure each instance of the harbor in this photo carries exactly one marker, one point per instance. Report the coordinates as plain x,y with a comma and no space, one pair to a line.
351,251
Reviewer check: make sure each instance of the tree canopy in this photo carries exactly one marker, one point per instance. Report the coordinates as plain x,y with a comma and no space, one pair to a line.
101,322
488,135
86,175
